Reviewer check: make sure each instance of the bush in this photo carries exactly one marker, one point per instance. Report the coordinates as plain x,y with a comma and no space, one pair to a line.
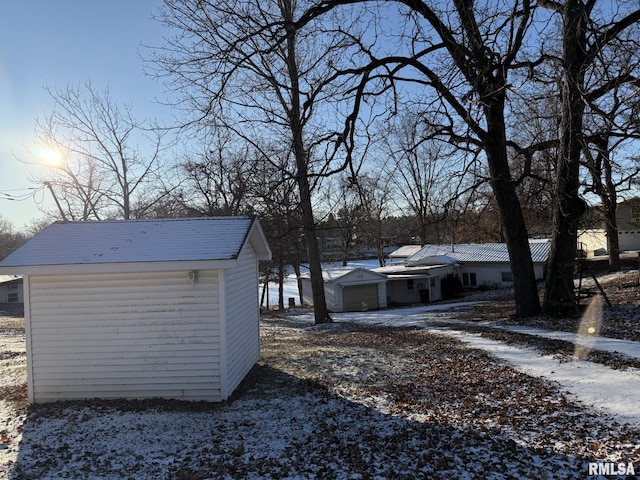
451,286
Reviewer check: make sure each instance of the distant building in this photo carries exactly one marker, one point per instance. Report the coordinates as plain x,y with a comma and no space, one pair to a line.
12,294
594,240
478,264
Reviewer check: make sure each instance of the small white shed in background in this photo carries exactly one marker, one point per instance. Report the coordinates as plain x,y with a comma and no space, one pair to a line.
141,308
349,289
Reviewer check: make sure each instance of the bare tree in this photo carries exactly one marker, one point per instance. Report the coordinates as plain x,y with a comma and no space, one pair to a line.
9,238
245,67
277,203
345,216
374,193
221,180
608,131
107,156
586,32
429,175
461,58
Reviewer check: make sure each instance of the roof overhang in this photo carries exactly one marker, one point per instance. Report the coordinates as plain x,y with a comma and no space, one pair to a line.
258,241
125,267
408,276
361,282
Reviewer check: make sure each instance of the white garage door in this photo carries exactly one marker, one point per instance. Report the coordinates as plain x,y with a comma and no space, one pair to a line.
358,298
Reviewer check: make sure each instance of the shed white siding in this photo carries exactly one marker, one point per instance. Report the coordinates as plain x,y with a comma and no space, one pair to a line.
337,289
134,335
242,324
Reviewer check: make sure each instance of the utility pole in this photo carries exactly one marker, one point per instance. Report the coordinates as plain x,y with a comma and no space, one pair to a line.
53,194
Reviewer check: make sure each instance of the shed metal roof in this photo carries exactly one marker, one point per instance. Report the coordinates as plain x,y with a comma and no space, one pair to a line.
477,253
334,274
136,241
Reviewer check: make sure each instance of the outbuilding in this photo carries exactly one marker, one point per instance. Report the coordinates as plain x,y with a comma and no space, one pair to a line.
141,308
349,289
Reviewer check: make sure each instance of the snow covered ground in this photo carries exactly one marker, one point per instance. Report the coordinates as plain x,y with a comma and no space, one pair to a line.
614,391
340,401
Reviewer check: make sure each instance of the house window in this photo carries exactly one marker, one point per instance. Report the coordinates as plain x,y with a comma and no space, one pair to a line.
433,282
410,284
507,277
469,279
12,286
635,213
12,298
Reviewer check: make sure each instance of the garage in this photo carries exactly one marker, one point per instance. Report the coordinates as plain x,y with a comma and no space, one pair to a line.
349,289
360,298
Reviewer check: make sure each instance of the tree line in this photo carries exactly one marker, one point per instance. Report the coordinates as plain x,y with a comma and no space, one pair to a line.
357,112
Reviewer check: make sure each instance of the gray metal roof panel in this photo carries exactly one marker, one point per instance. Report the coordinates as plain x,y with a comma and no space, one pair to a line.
477,252
126,241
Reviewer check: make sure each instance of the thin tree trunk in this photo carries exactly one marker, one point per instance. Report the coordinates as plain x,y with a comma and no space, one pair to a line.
281,281
613,242
321,313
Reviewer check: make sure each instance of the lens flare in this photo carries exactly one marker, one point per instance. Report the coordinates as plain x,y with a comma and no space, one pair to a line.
50,156
589,329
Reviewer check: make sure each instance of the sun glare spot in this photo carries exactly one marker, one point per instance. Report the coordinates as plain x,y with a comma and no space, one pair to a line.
589,329
50,156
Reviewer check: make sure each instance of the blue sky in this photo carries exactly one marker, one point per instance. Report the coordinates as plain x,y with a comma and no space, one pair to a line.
63,42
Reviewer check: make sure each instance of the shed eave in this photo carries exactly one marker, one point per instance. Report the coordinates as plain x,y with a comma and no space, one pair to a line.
124,267
259,241
360,282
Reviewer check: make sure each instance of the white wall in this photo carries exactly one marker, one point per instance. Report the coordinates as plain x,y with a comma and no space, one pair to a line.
491,275
134,335
242,323
590,240
487,275
629,240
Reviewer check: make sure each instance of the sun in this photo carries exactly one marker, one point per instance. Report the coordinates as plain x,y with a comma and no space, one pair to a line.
50,156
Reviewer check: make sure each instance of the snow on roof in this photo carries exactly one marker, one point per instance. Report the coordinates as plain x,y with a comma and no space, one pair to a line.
477,252
332,274
128,241
10,278
405,251
397,270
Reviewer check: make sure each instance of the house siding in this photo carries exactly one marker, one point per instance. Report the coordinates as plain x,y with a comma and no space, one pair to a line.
242,319
491,275
133,335
307,292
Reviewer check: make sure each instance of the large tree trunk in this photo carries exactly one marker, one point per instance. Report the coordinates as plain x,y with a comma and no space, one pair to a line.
320,311
515,231
569,207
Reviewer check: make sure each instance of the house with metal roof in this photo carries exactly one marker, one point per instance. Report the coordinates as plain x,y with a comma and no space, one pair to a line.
480,264
141,308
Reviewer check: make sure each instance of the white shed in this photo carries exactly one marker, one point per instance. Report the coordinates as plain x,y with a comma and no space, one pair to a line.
349,289
141,308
